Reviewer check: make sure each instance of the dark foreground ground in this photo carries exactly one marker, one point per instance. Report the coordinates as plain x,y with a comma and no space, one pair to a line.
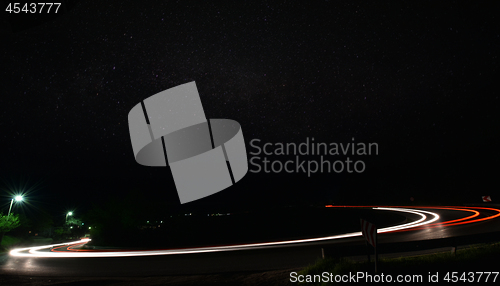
277,277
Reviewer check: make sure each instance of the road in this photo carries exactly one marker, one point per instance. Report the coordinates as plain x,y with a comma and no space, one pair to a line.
70,260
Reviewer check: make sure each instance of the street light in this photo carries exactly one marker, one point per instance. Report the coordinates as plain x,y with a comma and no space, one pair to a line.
18,199
68,214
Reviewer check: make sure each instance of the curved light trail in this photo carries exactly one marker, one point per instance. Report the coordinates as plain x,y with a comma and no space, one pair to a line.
36,251
427,219
460,221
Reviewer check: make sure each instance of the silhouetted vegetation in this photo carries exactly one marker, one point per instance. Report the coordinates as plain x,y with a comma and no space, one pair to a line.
8,223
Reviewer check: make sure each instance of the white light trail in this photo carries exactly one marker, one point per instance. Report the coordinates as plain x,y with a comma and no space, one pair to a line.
417,223
35,251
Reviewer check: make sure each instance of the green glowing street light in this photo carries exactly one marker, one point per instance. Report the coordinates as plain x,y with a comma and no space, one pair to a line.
17,199
68,214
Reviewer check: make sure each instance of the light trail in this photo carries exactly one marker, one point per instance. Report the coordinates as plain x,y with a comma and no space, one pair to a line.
417,223
35,251
410,226
463,220
460,221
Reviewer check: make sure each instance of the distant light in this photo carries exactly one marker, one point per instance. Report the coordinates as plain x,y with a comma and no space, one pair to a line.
70,213
90,227
70,227
18,198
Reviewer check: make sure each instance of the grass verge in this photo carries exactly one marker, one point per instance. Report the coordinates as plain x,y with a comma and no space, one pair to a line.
8,241
479,258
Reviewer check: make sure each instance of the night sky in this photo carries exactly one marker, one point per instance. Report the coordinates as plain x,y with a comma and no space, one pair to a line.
420,79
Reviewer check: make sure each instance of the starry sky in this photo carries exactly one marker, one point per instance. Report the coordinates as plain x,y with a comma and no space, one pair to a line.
420,79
